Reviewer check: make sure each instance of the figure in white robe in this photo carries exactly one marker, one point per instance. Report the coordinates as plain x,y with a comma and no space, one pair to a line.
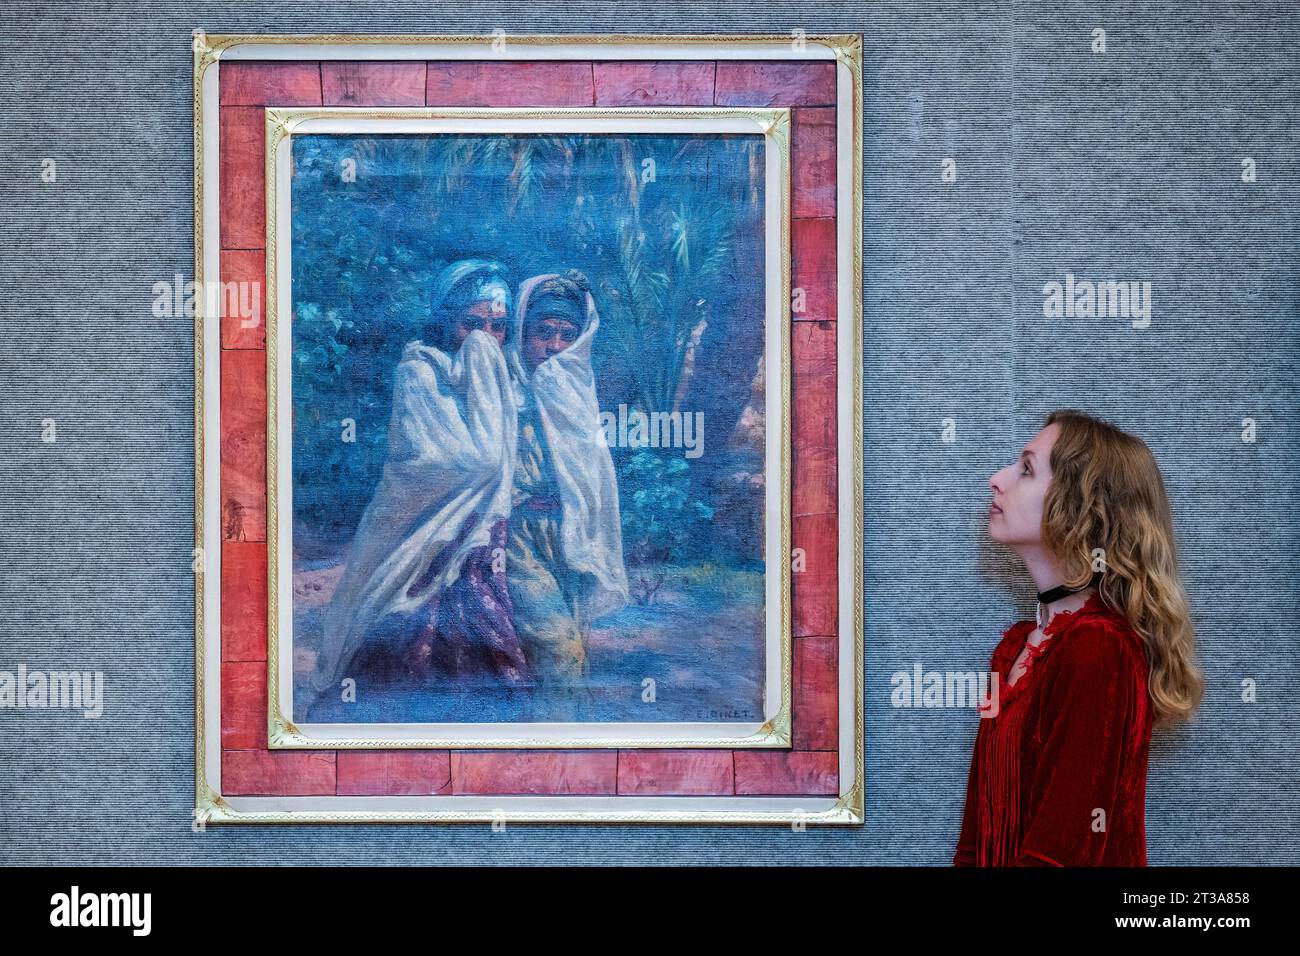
424,585
564,556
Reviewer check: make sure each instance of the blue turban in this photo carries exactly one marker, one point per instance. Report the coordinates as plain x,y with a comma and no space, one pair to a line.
462,284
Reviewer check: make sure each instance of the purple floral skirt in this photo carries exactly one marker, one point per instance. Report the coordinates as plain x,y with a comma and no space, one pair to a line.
468,633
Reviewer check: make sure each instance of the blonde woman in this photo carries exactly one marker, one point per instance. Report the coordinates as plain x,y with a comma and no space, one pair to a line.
1058,774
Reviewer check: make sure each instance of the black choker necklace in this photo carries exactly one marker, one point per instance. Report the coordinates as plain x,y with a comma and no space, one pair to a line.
1055,594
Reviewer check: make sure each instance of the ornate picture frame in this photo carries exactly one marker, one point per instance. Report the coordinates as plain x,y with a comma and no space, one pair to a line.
803,760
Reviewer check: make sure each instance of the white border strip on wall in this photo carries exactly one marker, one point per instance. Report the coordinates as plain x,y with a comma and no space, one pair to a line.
846,412
212,538
527,51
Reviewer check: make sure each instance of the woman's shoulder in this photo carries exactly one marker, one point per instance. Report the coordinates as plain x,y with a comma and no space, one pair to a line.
1098,624
1096,630
1099,638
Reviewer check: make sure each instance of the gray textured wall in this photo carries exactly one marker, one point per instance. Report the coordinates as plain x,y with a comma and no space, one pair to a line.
1117,166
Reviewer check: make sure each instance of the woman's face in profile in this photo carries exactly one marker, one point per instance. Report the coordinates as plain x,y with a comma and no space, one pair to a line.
1016,513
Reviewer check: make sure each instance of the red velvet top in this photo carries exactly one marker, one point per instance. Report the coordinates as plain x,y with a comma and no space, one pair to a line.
1058,776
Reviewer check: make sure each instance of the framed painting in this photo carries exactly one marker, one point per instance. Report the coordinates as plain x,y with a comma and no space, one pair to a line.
528,381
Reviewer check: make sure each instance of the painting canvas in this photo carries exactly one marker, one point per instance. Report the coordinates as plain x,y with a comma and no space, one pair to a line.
530,435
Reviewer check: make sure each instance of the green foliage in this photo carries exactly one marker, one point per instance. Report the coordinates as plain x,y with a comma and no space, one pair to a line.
324,464
670,257
662,522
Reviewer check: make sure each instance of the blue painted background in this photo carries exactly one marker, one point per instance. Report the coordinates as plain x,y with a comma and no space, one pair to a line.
661,258
1122,165
366,252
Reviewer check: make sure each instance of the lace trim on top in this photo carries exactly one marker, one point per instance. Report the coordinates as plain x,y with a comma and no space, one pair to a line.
1034,652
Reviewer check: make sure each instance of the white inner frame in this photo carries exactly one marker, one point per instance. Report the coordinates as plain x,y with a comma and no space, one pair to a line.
536,734
549,808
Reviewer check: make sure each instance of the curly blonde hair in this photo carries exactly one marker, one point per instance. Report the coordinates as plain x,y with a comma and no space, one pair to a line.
1107,493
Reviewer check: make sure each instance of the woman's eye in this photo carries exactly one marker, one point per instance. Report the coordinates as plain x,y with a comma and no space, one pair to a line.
1025,470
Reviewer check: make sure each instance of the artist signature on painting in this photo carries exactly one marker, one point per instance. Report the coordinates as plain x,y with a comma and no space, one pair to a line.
725,715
